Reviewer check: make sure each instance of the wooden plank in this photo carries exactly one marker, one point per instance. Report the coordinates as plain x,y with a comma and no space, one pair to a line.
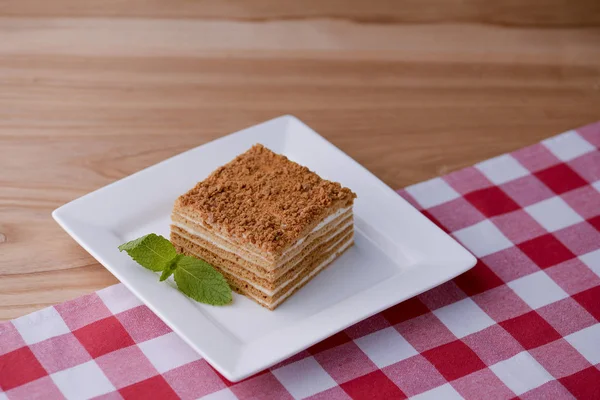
557,13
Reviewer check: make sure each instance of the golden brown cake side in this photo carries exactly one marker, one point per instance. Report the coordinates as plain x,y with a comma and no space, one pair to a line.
312,265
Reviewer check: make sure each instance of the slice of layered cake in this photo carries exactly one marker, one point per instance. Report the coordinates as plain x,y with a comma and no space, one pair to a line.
266,223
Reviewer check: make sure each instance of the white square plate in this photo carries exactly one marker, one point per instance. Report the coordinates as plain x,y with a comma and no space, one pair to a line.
398,253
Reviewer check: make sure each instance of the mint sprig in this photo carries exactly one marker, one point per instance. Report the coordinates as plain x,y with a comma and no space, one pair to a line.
150,251
194,277
200,281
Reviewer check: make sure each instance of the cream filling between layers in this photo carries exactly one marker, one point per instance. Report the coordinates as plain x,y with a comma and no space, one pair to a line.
298,243
233,251
306,278
271,293
289,267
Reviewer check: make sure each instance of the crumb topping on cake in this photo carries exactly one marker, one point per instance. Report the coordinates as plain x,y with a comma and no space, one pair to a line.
263,198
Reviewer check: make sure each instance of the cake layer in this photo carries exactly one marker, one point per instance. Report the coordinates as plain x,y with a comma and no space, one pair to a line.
272,303
194,233
262,259
315,264
269,287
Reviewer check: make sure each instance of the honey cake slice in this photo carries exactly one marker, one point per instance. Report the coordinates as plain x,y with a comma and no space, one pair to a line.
267,223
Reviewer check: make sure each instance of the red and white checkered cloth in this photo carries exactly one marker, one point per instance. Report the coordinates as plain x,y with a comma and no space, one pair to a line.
522,323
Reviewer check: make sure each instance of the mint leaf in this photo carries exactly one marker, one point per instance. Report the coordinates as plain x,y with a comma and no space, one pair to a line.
200,281
169,269
194,277
151,251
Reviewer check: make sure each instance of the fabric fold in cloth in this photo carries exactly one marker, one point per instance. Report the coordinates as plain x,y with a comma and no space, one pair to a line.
523,322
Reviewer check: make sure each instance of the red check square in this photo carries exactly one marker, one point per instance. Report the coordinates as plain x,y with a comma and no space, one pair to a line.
137,367
345,362
590,300
153,388
510,264
372,324
414,375
142,324
478,279
205,380
588,166
425,332
434,220
482,384
456,214
103,336
550,390
573,276
560,178
454,360
258,386
11,339
501,303
467,180
583,384
530,330
492,201
18,368
82,311
440,296
373,386
559,358
595,222
535,157
527,190
580,238
585,201
46,352
333,341
518,226
404,311
546,251
42,389
566,316
335,393
493,344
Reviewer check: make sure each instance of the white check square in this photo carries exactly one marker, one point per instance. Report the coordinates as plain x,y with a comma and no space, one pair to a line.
553,214
537,289
464,317
223,394
48,324
446,392
502,169
118,298
386,347
592,260
179,352
596,185
587,342
432,192
568,145
521,373
304,378
483,238
83,381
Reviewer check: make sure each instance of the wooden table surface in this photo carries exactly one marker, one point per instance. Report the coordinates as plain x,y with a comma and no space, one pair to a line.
92,91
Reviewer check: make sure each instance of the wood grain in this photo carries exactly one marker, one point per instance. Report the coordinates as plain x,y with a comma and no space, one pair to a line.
91,92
